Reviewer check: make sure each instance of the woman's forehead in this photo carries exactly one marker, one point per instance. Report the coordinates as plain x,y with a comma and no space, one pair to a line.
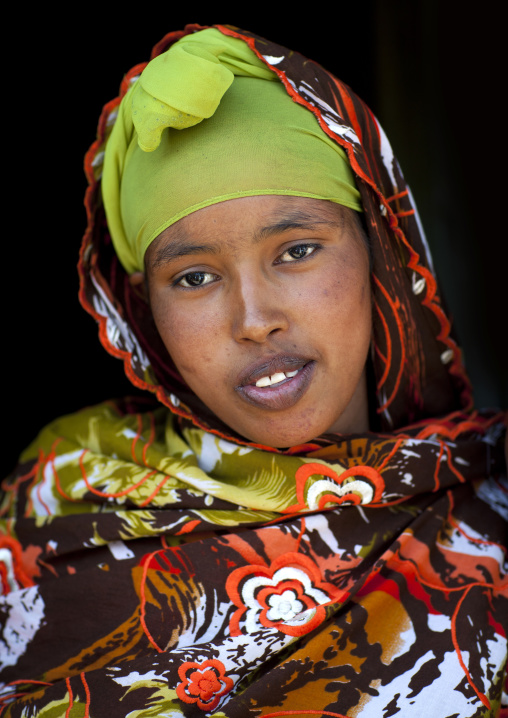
261,216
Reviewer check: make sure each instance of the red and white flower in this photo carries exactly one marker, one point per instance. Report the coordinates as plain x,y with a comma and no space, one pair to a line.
356,485
203,683
288,595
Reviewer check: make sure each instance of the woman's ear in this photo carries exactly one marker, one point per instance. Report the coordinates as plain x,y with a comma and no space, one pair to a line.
137,280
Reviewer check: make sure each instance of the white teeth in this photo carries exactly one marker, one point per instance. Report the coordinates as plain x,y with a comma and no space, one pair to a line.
275,378
264,381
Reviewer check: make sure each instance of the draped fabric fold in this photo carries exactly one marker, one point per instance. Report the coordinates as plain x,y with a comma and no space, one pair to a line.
155,563
186,84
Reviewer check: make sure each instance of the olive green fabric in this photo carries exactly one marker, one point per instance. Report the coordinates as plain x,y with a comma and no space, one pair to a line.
255,140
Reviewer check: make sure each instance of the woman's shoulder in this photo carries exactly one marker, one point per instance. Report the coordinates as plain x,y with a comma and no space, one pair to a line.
92,427
111,444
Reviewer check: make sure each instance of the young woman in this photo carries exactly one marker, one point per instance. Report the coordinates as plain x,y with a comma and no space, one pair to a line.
308,517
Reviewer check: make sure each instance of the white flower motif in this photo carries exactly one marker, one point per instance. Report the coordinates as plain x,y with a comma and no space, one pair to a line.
324,486
283,606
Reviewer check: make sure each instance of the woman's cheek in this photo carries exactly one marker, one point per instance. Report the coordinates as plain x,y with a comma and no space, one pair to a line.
348,289
190,337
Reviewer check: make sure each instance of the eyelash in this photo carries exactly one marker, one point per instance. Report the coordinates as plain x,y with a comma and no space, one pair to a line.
306,246
180,280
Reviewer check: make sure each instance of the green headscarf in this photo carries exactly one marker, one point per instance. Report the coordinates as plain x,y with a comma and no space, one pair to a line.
255,141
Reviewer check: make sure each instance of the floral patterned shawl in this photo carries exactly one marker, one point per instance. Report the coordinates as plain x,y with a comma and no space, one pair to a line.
153,563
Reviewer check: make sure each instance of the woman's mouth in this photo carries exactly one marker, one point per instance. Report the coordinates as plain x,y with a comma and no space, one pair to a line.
276,378
279,389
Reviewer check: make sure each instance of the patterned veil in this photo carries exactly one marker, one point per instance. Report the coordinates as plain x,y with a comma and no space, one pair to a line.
153,562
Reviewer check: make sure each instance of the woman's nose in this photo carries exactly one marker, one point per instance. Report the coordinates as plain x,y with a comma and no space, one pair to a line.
258,311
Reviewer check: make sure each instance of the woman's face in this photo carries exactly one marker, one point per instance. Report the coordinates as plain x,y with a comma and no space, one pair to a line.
264,305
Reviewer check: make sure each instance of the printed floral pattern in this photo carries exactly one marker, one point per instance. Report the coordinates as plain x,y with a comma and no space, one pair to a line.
288,595
203,683
357,485
176,568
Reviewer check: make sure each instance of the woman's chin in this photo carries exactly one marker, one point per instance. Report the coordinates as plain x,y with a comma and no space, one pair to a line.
283,434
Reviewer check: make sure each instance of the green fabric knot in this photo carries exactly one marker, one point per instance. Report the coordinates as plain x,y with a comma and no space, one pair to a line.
185,85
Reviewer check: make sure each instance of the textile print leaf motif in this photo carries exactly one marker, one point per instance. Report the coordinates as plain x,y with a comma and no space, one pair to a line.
154,563
123,461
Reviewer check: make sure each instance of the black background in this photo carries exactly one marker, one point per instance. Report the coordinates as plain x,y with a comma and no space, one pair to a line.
435,77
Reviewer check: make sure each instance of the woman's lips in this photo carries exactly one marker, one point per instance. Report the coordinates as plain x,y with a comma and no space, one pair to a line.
284,394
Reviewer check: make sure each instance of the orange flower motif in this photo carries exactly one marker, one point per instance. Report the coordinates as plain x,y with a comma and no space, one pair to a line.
203,683
356,485
288,595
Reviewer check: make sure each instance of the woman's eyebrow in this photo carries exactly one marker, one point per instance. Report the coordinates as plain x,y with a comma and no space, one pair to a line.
180,248
292,222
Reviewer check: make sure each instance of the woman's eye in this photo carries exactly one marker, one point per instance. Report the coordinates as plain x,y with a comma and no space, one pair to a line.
195,279
299,251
